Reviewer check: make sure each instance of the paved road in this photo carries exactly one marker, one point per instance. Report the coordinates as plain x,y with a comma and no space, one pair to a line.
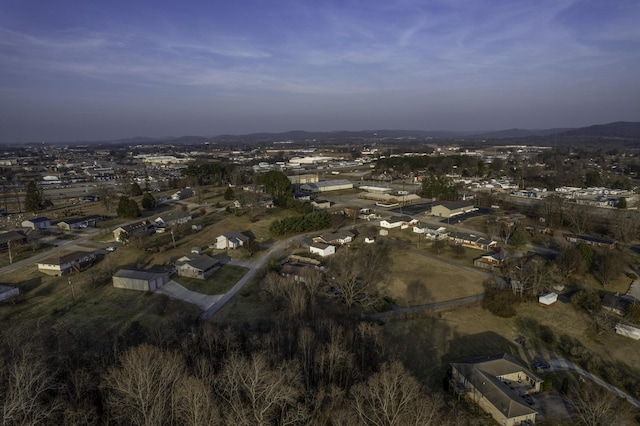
60,246
255,267
563,364
178,291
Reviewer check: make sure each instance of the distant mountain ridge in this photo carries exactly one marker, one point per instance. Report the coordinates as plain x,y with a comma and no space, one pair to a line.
619,130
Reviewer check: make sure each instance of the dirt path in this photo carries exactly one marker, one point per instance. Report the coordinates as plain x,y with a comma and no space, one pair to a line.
397,311
563,364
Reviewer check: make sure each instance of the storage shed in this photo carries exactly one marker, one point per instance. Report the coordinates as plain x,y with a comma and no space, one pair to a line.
548,299
140,279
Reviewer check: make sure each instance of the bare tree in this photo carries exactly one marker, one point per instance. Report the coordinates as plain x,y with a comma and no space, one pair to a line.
393,397
580,217
257,394
595,405
196,404
625,226
357,273
141,389
27,387
608,267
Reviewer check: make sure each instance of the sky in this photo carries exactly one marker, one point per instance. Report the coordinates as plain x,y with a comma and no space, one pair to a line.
76,70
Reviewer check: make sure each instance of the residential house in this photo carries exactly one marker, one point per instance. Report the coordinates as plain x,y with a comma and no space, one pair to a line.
12,238
491,261
432,234
79,222
198,266
451,208
143,227
471,241
298,271
500,385
398,222
322,249
187,192
592,241
140,279
37,223
172,217
336,238
64,264
231,240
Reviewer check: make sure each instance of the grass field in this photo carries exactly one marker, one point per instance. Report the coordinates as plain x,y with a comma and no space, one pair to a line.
50,300
219,283
418,280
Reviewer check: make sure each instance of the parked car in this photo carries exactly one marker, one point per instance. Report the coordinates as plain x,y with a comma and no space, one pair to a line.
111,248
542,365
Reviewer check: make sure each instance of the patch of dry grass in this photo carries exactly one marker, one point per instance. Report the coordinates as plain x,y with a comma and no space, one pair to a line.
418,280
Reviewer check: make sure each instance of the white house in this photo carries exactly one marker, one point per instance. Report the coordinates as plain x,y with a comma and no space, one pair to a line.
62,265
322,249
397,222
230,240
339,238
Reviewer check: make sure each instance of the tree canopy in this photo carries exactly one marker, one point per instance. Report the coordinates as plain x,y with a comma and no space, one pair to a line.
277,184
128,208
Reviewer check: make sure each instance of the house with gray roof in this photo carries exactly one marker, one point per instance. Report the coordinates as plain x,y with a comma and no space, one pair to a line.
37,223
172,217
198,266
500,385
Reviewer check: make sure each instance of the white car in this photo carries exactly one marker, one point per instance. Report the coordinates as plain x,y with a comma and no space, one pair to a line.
110,248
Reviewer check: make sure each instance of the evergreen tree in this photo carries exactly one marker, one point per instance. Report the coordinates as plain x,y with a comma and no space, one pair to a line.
277,184
135,189
148,201
622,203
128,208
229,194
33,200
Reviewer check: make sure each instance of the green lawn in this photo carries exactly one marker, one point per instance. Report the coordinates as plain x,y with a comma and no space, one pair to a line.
219,283
23,253
98,306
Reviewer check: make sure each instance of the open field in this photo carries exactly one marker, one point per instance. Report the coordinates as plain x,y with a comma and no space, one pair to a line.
427,345
99,306
219,283
418,280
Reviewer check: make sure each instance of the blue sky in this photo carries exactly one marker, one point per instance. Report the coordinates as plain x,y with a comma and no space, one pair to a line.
92,70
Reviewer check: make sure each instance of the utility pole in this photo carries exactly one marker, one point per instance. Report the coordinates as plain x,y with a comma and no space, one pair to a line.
173,238
73,293
10,255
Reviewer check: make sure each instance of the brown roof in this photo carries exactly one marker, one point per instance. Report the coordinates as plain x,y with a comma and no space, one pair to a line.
66,258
